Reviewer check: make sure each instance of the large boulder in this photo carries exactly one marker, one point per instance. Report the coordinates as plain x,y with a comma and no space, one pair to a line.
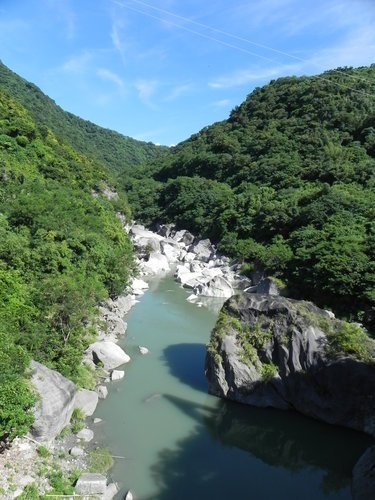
108,353
271,351
216,287
55,406
203,250
91,484
156,263
86,401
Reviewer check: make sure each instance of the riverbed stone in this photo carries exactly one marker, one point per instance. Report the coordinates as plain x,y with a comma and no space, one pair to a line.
102,391
86,401
117,375
143,350
111,491
91,484
108,353
86,435
76,451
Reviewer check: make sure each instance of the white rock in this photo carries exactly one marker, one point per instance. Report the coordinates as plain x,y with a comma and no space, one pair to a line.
102,391
91,484
117,374
170,252
129,496
76,451
97,420
189,257
55,406
86,435
203,250
111,491
108,353
86,401
156,264
192,297
143,350
330,314
217,287
138,286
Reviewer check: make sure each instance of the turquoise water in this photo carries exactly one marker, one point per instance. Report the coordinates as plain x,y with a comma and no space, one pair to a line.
180,443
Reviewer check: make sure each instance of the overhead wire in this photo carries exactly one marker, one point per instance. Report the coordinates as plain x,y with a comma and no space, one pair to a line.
239,38
236,47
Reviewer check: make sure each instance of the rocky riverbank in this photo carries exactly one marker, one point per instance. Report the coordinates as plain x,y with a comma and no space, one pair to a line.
197,266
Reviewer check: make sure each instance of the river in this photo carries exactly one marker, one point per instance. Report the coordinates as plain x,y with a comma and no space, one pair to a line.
180,443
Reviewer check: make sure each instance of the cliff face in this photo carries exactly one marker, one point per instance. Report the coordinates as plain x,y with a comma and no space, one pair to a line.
270,351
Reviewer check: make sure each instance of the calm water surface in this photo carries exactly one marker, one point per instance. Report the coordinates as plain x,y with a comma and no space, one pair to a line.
181,443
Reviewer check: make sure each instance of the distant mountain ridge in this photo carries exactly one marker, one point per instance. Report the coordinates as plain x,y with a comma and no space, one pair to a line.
114,150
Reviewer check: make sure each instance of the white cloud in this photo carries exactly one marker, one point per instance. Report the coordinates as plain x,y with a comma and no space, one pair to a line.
222,103
146,89
78,64
247,76
110,76
179,91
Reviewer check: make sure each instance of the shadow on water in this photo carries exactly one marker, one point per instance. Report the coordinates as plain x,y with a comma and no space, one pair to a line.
186,362
309,459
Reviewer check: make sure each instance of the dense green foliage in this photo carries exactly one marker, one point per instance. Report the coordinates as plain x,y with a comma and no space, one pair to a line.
286,183
61,251
116,151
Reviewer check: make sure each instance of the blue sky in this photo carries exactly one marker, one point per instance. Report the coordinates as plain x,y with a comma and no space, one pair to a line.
160,70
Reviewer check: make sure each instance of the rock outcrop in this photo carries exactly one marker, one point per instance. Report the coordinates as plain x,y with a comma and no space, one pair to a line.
86,401
55,406
269,351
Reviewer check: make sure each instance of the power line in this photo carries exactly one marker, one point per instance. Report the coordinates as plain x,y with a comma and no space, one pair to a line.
222,42
239,38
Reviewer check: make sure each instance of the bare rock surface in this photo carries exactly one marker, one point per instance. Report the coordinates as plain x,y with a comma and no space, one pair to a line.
55,406
270,351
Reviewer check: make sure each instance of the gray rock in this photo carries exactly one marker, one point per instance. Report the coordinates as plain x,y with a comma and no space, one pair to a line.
97,420
117,375
171,252
156,263
363,479
111,491
102,391
274,352
55,406
203,250
216,287
108,353
76,451
86,435
91,484
86,401
165,230
266,286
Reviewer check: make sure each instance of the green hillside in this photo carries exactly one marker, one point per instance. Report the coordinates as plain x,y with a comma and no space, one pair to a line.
286,183
62,250
110,148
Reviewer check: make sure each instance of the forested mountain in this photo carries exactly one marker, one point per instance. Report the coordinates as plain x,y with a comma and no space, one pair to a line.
110,148
286,183
62,250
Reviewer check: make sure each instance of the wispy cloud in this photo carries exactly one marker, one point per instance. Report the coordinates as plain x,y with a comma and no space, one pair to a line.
178,91
222,103
110,76
248,76
78,64
146,90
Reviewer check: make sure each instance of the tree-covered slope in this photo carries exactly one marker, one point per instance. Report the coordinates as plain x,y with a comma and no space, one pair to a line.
112,149
287,183
61,251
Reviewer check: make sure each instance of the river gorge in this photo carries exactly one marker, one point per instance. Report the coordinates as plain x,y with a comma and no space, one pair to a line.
180,442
